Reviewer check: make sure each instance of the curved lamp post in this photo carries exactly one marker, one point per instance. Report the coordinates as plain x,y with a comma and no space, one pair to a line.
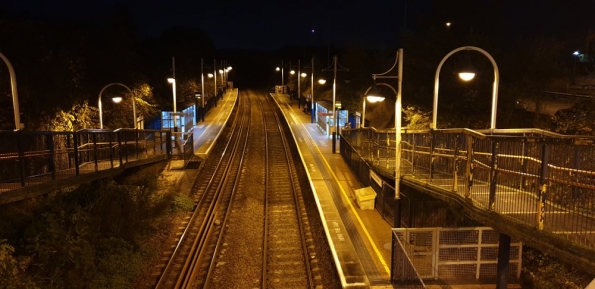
116,100
469,76
399,65
15,96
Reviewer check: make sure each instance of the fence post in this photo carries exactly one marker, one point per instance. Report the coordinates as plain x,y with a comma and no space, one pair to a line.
432,144
493,176
137,146
413,152
21,157
94,137
75,144
119,137
168,143
51,160
503,261
455,177
111,150
542,186
469,167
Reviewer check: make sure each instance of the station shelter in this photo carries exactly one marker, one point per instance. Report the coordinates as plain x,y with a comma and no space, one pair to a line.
185,119
281,89
324,116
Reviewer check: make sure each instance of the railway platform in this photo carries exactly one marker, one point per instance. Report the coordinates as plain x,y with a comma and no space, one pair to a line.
360,239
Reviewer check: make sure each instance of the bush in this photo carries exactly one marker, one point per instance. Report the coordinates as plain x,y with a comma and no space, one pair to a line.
91,237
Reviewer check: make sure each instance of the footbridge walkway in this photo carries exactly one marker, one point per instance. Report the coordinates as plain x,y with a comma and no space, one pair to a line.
529,184
35,163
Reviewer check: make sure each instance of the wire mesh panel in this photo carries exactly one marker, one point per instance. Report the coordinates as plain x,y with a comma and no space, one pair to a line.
457,253
403,270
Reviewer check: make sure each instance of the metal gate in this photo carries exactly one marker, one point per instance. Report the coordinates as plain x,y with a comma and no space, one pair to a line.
446,253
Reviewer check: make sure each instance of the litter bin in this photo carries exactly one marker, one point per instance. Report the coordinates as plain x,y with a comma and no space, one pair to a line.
365,198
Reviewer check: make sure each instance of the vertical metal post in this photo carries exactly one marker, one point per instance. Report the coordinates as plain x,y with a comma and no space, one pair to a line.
299,79
312,104
503,261
95,156
455,177
432,157
111,150
124,148
397,197
575,193
51,160
21,158
469,167
137,146
413,153
75,143
493,177
68,149
334,104
524,165
119,137
543,171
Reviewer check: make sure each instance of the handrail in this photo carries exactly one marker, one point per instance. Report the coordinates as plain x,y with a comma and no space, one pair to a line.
27,155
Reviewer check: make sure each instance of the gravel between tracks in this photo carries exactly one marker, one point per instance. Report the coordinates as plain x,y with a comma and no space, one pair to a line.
240,262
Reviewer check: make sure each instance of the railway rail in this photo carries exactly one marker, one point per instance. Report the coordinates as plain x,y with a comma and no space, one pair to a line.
288,256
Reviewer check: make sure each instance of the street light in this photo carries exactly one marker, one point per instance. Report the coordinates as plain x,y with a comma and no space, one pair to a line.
282,75
372,95
494,90
335,117
399,77
15,97
173,87
576,56
116,99
312,106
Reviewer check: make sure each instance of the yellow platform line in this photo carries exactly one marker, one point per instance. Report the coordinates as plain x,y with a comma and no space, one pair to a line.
353,209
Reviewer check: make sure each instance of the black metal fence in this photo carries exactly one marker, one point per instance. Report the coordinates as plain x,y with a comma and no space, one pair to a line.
533,177
32,158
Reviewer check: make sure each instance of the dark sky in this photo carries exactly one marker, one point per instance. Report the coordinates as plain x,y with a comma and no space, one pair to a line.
272,24
264,24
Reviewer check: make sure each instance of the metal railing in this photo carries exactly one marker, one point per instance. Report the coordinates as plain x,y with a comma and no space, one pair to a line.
183,146
33,158
528,176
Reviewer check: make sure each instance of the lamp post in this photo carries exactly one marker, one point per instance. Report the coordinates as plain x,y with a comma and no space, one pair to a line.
15,95
227,70
282,78
173,87
335,118
116,100
576,55
399,77
469,76
373,96
312,105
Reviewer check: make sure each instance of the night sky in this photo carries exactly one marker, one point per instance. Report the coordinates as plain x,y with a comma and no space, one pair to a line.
272,24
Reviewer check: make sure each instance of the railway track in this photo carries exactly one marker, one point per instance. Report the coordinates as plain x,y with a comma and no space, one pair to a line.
250,227
287,260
